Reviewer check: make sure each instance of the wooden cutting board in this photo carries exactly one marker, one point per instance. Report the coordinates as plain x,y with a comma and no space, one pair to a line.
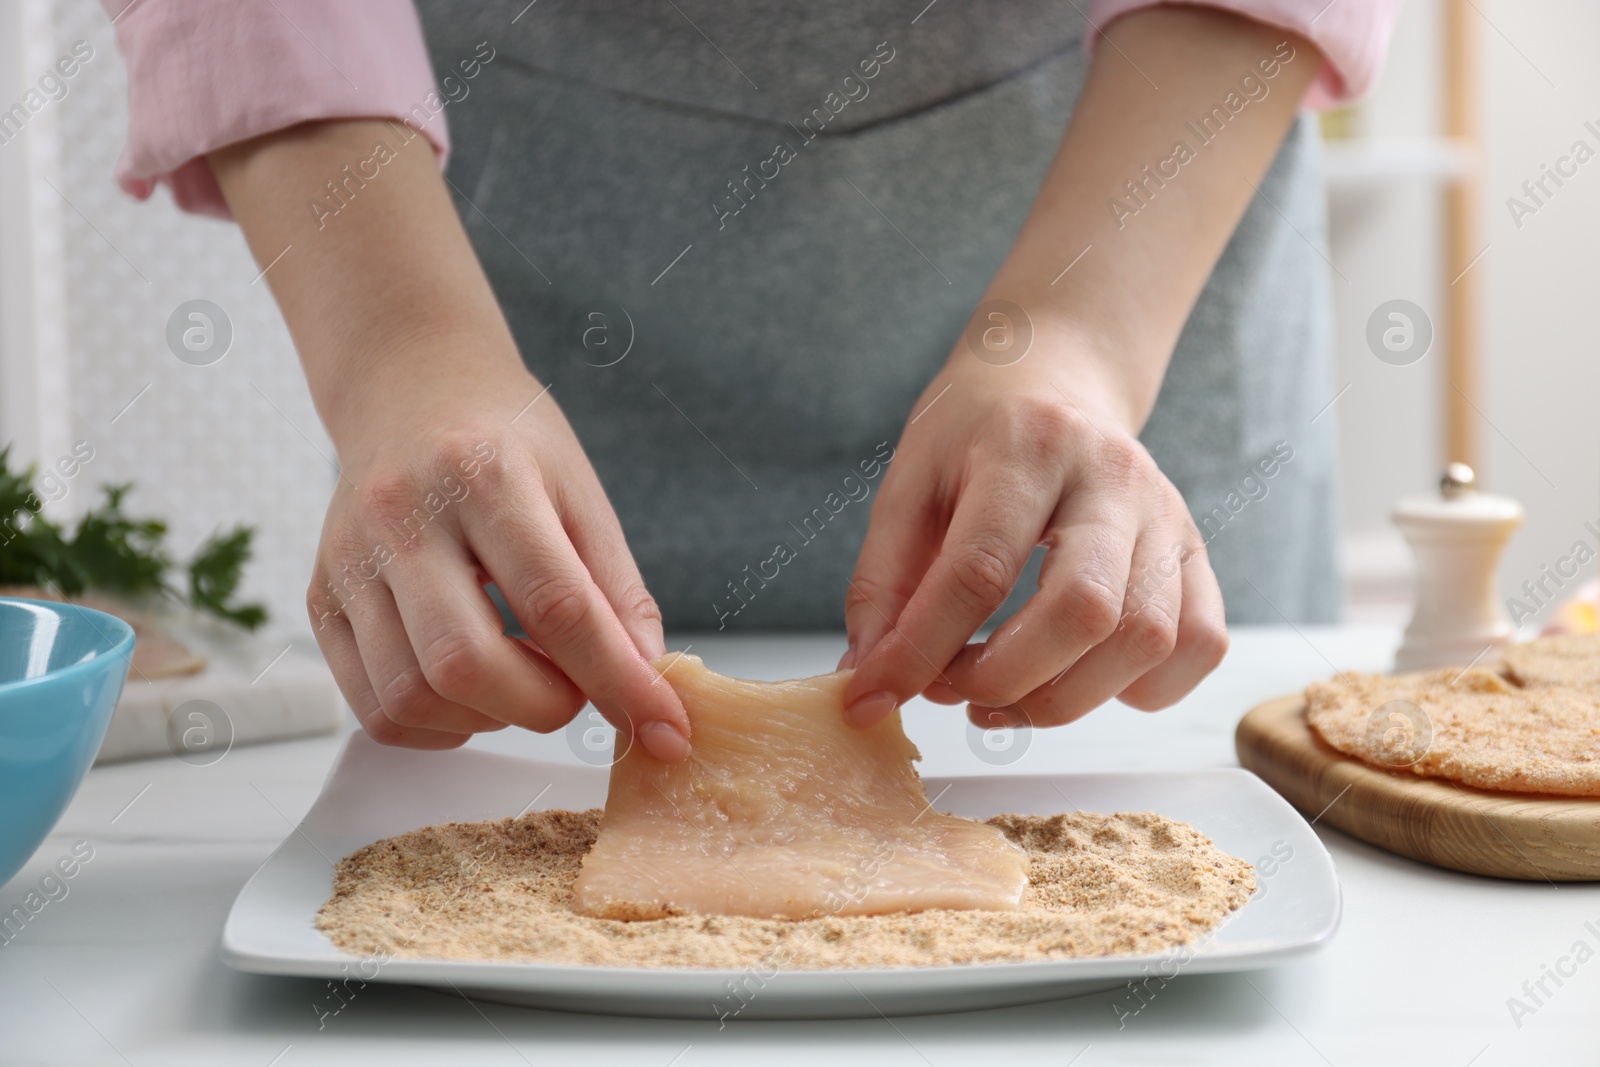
1508,835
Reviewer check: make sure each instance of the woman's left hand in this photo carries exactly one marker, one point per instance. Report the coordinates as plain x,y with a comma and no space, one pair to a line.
1002,454
996,460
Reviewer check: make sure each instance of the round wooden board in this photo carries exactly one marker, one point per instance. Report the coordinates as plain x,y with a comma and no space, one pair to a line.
1508,835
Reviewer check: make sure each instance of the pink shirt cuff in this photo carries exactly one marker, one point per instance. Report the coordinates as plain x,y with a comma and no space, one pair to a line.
203,74
1353,35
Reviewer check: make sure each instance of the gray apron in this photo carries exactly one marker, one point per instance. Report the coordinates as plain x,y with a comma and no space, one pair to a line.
737,331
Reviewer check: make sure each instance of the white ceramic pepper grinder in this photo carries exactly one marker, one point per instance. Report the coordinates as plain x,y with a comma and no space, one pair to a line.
1457,538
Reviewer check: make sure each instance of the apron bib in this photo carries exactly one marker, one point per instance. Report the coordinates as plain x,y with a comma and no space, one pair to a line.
736,293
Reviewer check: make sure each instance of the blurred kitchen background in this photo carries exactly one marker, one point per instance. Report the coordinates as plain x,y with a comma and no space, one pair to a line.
1524,89
1476,97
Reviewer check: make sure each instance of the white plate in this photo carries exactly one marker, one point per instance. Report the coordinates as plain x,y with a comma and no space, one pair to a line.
376,792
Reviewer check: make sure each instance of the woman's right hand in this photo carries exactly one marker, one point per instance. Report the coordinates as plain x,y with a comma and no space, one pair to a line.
444,488
456,469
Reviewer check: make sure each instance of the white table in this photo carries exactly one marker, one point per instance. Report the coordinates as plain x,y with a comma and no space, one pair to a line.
124,970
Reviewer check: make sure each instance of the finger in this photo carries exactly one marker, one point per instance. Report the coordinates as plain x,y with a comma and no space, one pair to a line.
998,520
1202,638
600,543
1144,638
338,643
550,590
1082,585
902,540
940,693
394,673
456,639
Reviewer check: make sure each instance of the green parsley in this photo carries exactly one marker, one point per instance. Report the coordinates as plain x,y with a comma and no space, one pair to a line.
114,552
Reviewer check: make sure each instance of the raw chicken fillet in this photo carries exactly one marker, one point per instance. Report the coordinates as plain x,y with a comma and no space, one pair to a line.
785,811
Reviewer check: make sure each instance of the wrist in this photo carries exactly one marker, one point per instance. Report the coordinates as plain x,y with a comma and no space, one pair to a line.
1059,357
373,392
1118,375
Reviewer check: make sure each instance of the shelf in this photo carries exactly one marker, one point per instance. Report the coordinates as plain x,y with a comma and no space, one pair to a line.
1365,161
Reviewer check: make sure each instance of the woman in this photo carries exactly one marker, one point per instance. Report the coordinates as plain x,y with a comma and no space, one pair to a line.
763,263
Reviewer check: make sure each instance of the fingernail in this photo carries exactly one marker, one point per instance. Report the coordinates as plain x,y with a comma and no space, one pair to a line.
663,741
873,708
848,660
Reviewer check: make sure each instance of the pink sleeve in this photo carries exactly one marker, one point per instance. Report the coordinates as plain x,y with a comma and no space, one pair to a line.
1352,34
204,73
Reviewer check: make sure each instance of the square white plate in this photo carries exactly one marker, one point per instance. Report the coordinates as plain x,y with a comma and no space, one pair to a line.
375,792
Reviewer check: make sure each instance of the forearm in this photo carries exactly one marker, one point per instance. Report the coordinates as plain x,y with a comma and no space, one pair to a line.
1146,251
374,276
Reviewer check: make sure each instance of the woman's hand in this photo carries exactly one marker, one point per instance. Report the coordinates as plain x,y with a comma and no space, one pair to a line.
455,469
443,489
1044,449
996,460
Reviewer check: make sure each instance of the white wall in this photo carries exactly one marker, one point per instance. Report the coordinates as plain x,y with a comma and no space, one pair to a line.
33,336
208,447
1543,379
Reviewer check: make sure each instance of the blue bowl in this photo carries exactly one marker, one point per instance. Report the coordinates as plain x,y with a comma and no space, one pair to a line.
61,672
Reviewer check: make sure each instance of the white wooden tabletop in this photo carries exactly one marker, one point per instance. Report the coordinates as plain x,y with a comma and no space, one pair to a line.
123,968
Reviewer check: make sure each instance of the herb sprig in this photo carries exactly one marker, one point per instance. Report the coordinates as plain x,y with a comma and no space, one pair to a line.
112,551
